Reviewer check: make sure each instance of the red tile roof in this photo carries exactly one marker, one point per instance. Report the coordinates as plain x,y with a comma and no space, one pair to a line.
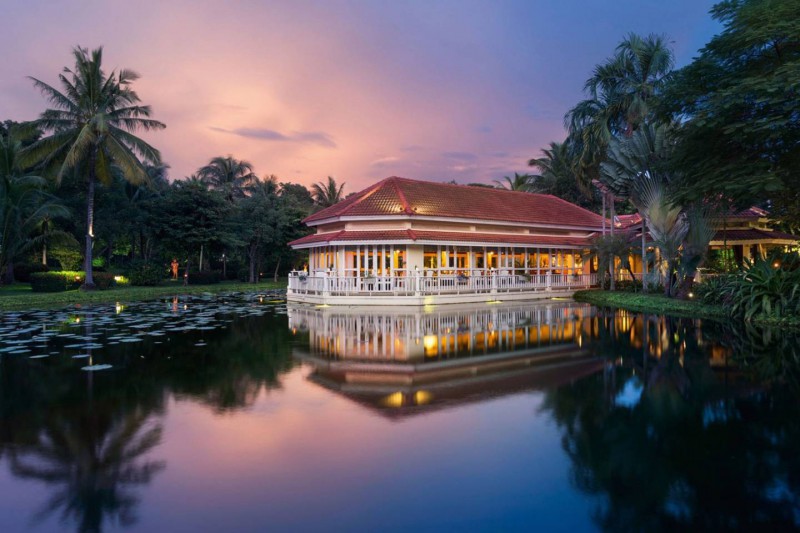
439,236
753,234
401,196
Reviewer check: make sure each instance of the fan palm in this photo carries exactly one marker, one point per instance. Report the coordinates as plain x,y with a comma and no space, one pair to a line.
327,193
91,129
228,175
520,182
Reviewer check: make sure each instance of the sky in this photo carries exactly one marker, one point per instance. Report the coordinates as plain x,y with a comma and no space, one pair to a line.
360,90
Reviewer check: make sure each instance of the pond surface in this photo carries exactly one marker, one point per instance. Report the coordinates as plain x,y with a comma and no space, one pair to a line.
240,413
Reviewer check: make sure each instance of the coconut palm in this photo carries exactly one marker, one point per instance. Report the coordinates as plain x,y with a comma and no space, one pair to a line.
228,175
91,130
327,193
24,207
621,92
520,182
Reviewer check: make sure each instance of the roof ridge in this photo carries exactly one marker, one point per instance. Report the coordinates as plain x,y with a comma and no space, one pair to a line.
406,207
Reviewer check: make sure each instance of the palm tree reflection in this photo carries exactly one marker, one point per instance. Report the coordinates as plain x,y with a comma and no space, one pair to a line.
94,462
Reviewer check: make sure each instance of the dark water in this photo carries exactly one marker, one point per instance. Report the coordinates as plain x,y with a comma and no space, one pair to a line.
240,414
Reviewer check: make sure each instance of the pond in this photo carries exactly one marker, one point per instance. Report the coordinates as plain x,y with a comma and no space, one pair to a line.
242,413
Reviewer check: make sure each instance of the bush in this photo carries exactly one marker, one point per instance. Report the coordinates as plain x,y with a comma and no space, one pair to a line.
146,274
628,285
103,280
23,272
204,278
68,255
56,281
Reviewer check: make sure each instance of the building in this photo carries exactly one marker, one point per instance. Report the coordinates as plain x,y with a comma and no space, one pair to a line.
412,242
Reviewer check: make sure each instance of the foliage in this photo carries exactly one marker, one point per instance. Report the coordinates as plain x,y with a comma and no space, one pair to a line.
91,130
56,281
737,101
621,91
24,202
608,248
146,274
205,277
23,271
557,176
520,182
104,280
68,255
327,193
228,175
762,289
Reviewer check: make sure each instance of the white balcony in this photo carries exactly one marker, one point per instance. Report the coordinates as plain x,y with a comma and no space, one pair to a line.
414,288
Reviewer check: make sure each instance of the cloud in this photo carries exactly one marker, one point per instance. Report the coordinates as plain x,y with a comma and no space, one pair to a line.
309,137
460,156
385,161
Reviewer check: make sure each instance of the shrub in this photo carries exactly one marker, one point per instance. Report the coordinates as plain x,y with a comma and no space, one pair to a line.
56,281
23,272
628,285
204,278
762,289
146,274
103,280
68,255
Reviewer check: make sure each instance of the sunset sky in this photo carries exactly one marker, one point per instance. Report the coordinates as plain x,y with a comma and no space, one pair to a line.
437,90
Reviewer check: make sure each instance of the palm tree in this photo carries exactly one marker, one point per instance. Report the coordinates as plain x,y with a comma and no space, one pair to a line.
327,194
638,168
228,175
520,182
91,130
24,206
621,92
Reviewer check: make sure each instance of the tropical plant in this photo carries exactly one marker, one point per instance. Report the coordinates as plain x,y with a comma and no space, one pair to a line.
228,175
620,93
327,193
610,247
91,130
764,290
520,182
557,176
24,206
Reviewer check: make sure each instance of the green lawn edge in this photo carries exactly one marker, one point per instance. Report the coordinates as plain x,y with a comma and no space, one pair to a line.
20,297
660,304
651,303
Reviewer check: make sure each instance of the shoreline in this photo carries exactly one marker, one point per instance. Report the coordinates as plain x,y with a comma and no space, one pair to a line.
26,300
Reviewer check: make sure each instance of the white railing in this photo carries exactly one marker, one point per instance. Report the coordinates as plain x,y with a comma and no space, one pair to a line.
414,284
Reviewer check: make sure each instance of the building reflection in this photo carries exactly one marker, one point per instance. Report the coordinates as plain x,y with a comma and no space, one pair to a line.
408,360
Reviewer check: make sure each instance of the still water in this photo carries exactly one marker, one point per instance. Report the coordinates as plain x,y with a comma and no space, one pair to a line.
240,413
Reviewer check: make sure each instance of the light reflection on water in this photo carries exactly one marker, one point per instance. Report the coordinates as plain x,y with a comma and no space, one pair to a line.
238,413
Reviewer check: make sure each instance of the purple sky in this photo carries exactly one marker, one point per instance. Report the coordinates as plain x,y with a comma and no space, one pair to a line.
439,90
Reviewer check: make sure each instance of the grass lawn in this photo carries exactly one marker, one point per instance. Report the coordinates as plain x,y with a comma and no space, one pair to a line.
20,296
652,303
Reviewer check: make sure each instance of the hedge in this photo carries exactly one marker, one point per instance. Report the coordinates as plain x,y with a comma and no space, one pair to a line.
56,281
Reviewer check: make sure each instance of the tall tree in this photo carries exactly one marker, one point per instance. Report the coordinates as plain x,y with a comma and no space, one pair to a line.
557,176
621,92
24,205
327,193
228,175
91,128
738,103
520,182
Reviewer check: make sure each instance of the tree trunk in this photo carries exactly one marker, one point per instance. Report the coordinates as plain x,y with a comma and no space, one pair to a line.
88,283
9,273
186,274
668,280
612,266
200,268
277,266
644,257
252,255
44,254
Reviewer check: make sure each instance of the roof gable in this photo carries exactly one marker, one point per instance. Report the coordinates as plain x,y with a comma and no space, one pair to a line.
402,196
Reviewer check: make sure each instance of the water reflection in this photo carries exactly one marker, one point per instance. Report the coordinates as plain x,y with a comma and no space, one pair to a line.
406,361
640,421
683,436
92,438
